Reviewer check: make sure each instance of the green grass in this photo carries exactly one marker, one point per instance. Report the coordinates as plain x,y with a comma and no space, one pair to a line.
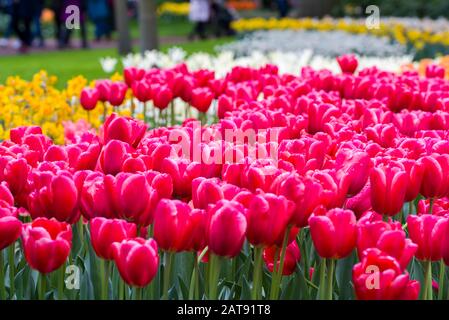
68,64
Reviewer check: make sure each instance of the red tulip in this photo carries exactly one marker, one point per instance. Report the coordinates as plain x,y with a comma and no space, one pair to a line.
354,167
162,96
95,190
142,90
224,104
334,233
434,182
89,98
132,74
19,133
361,202
379,277
134,198
112,157
10,226
117,93
137,260
201,99
54,196
388,189
176,226
16,175
104,89
292,257
226,228
435,71
46,244
5,195
304,192
445,243
205,192
104,232
415,172
124,129
372,232
427,231
268,217
348,63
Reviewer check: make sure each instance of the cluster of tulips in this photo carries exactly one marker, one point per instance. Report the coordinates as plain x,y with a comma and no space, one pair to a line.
323,185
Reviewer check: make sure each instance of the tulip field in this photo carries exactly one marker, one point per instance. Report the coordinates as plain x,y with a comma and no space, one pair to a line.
249,183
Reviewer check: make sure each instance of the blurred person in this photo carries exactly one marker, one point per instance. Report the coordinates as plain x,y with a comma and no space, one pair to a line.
63,34
199,14
283,8
6,8
100,12
23,12
222,17
37,29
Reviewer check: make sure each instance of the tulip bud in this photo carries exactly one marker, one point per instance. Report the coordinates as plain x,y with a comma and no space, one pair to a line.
334,233
137,260
348,63
268,217
379,277
292,257
46,244
105,232
427,231
89,98
226,228
10,226
388,188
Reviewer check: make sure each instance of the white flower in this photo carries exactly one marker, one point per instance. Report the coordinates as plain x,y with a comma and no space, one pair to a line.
108,64
177,54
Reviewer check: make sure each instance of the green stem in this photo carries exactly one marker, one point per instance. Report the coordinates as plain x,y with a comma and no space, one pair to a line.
104,274
138,293
42,285
145,112
274,294
2,278
428,281
121,289
167,273
61,282
441,280
400,216
81,233
214,274
12,270
193,290
410,208
257,273
431,200
330,279
322,290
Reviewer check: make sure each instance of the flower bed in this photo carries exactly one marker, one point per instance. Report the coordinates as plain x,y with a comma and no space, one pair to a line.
285,180
328,44
425,36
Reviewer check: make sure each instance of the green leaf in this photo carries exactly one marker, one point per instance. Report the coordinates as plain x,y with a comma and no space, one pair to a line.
344,275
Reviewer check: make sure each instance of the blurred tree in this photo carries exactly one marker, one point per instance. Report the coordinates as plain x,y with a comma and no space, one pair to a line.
148,25
122,25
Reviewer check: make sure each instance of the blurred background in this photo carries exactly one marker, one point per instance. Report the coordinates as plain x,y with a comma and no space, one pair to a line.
37,35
